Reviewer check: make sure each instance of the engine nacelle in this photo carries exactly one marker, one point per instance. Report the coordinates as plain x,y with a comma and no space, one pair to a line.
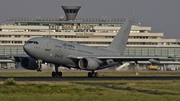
88,64
29,63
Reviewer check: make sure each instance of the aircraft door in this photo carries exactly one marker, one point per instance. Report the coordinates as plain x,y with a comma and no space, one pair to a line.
47,45
48,48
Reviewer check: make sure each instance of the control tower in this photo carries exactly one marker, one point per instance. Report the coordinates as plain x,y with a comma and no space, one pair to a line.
71,11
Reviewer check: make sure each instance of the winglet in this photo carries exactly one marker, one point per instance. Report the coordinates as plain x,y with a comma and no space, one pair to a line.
119,42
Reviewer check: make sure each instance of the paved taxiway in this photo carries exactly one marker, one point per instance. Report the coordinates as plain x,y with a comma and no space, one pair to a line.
93,79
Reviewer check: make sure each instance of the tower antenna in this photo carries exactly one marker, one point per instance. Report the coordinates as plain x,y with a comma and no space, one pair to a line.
134,16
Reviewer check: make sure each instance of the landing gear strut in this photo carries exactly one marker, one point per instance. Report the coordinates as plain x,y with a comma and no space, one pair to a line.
93,74
39,69
56,73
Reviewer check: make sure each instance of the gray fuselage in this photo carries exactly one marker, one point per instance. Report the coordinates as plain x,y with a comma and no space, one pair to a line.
57,51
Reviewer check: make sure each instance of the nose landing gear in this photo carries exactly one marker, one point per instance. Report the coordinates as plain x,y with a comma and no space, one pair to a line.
39,69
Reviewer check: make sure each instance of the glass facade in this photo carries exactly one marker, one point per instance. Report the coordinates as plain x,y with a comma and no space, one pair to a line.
67,24
141,51
165,51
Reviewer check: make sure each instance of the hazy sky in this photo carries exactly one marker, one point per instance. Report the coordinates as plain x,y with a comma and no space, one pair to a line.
161,15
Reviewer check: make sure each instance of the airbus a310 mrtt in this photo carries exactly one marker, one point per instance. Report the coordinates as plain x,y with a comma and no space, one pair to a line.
72,55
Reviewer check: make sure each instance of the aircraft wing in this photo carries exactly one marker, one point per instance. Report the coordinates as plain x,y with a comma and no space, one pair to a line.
17,57
122,57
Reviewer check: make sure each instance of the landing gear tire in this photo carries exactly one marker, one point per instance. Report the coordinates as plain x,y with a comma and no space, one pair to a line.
89,74
96,74
56,74
92,74
39,70
53,74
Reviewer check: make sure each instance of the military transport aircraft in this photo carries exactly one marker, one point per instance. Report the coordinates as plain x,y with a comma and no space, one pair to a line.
72,55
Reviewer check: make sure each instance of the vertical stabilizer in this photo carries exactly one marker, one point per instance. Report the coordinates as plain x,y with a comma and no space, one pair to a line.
120,40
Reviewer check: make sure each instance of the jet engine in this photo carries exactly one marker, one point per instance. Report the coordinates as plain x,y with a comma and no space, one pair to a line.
88,64
29,63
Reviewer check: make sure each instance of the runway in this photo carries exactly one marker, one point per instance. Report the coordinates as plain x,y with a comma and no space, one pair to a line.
93,79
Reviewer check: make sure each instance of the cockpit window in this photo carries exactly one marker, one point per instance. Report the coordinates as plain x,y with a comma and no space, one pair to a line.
34,42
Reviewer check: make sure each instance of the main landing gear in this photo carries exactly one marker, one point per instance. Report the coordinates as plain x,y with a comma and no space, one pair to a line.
56,73
93,74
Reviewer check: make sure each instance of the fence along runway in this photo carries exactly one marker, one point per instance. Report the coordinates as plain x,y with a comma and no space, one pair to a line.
93,79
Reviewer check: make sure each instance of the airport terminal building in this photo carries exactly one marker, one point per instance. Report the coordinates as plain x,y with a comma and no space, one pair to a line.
98,32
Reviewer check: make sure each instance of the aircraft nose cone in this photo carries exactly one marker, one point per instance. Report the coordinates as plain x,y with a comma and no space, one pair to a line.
26,48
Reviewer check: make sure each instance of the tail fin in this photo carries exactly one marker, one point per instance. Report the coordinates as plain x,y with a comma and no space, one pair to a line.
119,42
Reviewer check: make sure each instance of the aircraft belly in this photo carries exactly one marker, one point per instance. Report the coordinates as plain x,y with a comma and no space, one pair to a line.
64,61
59,55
